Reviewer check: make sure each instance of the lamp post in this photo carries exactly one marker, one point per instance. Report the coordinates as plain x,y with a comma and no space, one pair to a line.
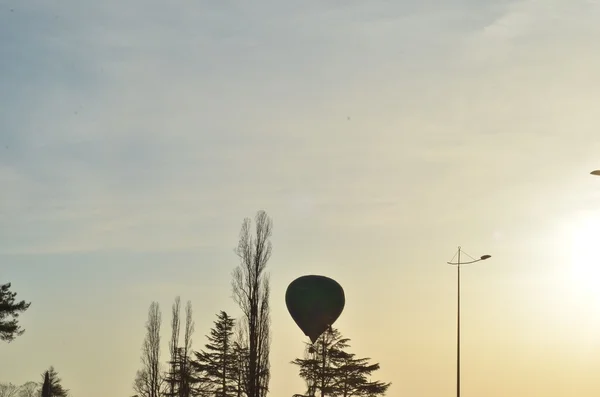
457,264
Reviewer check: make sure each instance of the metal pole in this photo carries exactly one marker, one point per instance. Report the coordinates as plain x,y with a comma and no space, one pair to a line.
458,329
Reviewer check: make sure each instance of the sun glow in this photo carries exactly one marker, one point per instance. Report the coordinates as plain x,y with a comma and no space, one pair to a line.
584,238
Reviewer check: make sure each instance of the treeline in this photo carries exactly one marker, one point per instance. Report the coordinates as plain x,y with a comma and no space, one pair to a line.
220,369
50,386
235,360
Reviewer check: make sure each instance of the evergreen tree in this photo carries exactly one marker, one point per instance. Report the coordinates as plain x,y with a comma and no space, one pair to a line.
352,381
217,363
184,374
330,370
46,385
9,313
173,376
52,385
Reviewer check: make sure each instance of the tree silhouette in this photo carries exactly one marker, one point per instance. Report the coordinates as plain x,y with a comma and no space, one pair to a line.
30,389
52,386
217,363
46,385
353,373
172,378
149,380
9,313
8,390
185,371
240,359
332,371
251,291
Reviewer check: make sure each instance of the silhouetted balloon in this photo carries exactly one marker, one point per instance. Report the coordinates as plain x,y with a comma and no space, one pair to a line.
315,303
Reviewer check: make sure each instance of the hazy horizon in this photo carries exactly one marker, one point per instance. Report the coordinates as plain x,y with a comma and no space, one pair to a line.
378,136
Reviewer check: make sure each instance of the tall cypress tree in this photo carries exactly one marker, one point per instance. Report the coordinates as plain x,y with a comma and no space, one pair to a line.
46,385
52,385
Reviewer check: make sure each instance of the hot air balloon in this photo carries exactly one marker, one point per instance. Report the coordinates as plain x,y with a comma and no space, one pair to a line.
315,303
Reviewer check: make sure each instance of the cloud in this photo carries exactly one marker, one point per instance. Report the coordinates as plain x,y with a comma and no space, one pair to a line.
138,128
141,133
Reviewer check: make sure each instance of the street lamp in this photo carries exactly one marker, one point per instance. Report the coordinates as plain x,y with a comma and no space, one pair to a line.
457,264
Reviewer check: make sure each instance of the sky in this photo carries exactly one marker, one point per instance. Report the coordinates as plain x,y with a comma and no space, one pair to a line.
379,136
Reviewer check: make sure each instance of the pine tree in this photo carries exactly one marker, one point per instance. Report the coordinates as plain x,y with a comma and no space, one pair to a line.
330,370
9,329
217,363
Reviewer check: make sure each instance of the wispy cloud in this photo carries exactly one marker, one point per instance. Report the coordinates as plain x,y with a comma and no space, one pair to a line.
151,128
145,117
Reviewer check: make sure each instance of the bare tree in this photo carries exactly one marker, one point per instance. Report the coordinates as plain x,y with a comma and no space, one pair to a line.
264,341
29,389
240,352
8,390
174,347
250,287
186,350
141,383
149,380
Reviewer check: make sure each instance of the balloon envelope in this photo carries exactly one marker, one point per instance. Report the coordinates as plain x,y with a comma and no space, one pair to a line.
597,172
315,303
